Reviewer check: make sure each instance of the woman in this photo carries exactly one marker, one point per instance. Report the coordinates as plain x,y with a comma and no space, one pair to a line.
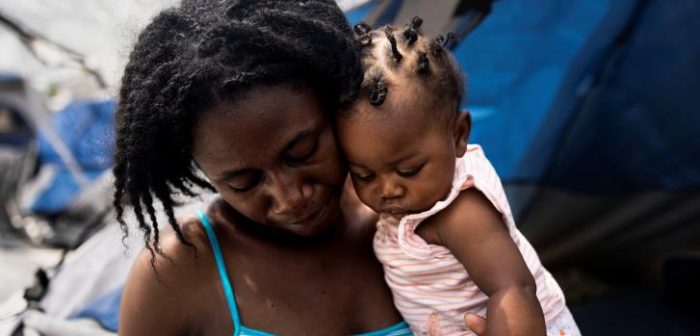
243,91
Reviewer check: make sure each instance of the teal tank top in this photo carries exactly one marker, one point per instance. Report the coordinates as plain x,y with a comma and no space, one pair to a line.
400,329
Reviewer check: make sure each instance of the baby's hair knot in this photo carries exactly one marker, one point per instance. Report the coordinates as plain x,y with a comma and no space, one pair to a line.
365,40
416,22
410,36
378,92
389,31
362,32
362,29
436,45
423,63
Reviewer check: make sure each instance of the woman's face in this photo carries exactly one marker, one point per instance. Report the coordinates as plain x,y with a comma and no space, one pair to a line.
272,156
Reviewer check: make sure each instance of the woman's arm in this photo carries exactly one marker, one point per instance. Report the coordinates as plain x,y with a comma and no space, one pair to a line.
473,230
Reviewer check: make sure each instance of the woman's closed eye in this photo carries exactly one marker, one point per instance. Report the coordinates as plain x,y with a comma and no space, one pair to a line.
302,151
245,182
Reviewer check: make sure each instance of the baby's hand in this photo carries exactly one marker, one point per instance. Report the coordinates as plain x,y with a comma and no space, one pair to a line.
475,323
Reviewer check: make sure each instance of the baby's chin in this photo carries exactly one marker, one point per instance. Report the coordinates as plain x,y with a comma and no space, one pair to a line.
396,213
402,212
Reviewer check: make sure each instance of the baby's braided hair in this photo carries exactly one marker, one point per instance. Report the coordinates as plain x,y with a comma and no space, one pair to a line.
203,53
391,55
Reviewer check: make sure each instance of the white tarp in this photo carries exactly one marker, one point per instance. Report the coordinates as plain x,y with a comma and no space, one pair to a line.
103,31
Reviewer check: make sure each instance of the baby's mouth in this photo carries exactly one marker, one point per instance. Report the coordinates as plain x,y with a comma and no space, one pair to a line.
394,211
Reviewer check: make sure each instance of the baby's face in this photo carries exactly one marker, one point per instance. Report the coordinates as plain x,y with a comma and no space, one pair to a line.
399,163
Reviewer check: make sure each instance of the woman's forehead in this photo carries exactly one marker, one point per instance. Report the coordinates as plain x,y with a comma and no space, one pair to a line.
257,126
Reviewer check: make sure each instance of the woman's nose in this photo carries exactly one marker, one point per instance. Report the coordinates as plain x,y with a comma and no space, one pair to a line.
289,193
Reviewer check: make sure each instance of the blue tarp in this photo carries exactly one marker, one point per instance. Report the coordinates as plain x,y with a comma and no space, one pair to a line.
524,64
87,129
638,129
104,310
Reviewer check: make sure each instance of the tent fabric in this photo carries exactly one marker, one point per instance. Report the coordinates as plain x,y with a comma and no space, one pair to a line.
359,13
86,128
631,230
90,282
624,185
627,313
15,126
104,310
526,65
637,130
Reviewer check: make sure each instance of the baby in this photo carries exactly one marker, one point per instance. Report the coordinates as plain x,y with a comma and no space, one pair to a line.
445,235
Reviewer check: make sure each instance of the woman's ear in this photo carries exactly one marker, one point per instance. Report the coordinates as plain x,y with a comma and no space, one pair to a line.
462,128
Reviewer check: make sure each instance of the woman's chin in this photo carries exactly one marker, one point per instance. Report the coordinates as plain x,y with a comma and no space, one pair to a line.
320,222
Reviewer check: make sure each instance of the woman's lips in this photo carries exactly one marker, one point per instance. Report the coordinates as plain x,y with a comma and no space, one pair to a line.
317,215
311,217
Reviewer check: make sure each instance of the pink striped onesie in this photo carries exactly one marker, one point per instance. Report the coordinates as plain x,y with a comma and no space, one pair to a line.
427,279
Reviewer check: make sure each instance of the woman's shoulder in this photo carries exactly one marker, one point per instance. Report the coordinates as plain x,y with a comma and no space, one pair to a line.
166,283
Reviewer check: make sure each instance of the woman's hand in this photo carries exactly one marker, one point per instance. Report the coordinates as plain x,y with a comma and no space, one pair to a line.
475,323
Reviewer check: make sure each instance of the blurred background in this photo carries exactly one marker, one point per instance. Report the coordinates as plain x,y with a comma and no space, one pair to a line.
588,109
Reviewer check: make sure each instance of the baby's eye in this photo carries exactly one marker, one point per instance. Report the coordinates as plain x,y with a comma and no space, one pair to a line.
363,177
410,172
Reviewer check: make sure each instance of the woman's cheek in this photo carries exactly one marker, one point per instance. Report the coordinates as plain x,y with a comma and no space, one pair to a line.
329,166
248,206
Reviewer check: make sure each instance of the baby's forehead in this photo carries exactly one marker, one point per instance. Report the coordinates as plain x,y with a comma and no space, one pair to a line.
402,95
382,124
375,134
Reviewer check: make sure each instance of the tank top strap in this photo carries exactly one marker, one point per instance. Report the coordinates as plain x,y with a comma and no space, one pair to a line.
223,273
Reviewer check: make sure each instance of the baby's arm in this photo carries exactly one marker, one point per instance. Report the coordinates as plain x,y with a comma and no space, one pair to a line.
474,231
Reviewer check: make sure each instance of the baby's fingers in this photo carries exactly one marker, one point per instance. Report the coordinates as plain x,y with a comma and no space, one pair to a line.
475,323
433,324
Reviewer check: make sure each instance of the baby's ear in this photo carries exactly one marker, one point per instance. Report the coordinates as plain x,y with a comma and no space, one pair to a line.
462,128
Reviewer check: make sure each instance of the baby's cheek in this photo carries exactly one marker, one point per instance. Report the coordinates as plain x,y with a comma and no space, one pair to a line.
365,195
434,190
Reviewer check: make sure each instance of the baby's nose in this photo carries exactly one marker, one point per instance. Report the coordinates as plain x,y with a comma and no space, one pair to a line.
391,190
